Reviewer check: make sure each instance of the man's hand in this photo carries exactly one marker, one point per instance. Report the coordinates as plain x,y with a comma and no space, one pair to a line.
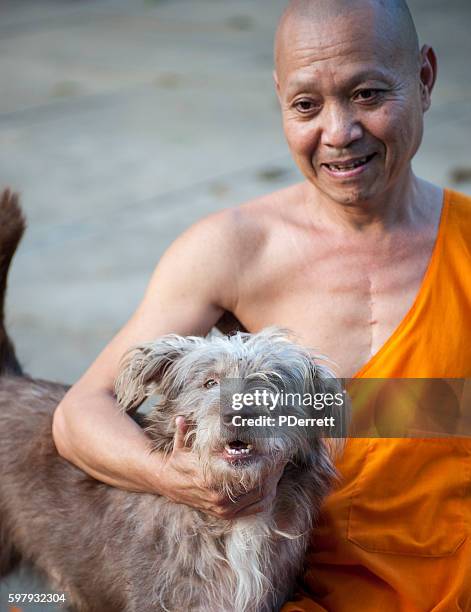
182,482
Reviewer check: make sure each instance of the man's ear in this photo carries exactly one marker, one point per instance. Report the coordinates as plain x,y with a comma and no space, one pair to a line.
428,74
143,368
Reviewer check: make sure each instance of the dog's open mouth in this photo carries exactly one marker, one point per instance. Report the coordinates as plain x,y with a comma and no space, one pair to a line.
237,450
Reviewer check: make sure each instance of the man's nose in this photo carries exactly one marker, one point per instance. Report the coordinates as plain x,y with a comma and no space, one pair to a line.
340,127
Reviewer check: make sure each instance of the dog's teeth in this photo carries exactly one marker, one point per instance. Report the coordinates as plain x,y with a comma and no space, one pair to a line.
238,451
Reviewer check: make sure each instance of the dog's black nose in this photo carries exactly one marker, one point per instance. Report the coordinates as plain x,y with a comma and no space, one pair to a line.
226,417
245,412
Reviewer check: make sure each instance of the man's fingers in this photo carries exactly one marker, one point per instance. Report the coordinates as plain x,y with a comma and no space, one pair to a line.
196,492
231,507
247,499
182,427
237,512
254,501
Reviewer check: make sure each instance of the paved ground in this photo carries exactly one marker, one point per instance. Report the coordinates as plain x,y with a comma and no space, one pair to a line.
123,121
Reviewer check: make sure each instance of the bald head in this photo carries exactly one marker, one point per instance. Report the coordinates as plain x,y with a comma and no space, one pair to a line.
390,18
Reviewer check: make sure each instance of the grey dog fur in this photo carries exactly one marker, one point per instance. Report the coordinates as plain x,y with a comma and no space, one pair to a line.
111,550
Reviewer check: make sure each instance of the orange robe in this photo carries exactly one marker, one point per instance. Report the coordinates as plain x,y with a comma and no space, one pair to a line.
395,534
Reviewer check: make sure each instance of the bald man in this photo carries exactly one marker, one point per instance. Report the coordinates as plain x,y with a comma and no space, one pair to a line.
361,259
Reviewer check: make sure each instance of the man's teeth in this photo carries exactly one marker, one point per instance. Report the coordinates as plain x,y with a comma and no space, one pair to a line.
355,164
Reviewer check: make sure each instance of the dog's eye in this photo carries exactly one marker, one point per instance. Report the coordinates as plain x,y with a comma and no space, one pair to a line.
211,382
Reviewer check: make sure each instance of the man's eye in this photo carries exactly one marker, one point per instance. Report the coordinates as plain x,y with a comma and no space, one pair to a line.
211,382
304,106
368,95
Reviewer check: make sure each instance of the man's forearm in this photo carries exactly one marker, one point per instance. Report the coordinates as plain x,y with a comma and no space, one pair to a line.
94,435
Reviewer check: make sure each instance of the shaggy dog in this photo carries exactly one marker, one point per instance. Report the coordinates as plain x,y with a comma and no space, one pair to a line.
110,550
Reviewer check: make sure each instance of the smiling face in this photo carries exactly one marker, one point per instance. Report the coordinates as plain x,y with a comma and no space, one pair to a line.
353,89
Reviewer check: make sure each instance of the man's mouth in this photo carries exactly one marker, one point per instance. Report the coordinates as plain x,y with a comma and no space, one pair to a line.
237,450
348,165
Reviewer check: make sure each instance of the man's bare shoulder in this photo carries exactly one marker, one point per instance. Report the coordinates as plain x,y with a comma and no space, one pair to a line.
246,227
219,253
241,227
274,207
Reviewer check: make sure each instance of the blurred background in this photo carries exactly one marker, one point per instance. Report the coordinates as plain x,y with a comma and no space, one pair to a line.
124,121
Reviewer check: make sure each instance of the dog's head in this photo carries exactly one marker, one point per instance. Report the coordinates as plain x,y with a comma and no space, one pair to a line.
195,377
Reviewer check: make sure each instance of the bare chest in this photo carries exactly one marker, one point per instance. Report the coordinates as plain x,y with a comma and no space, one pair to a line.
344,303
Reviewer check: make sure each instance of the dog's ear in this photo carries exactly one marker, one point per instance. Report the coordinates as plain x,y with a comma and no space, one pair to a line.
143,368
336,404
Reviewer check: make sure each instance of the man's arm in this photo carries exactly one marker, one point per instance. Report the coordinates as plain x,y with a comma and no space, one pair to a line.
193,284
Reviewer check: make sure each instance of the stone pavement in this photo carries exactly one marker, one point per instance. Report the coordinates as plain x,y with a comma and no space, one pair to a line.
124,121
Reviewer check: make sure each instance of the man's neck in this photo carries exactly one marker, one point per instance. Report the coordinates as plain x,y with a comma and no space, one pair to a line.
410,203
